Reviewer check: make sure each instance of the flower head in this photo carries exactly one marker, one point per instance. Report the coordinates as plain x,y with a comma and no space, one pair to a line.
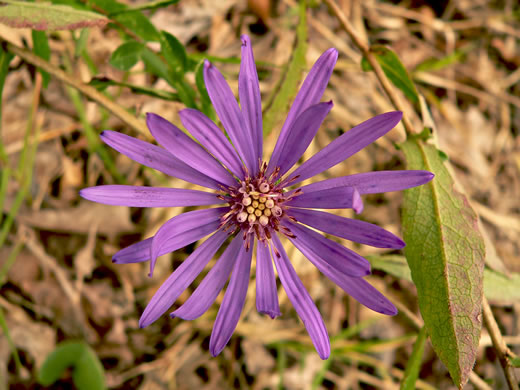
257,203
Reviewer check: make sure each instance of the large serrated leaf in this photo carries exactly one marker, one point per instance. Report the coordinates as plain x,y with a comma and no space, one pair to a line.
499,289
47,16
445,252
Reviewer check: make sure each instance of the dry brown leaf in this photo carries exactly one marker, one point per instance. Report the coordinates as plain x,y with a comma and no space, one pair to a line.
110,219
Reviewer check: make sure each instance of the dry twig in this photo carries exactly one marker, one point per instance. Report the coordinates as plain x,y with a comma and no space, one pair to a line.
499,344
87,90
371,58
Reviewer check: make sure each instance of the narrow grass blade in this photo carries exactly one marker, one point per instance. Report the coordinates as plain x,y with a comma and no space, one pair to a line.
284,93
414,364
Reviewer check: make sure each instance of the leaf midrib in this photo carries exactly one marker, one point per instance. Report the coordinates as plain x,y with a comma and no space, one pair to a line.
435,197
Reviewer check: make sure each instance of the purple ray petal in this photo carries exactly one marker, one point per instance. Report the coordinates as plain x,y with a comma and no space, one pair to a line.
351,229
249,93
338,257
301,301
374,182
331,198
356,287
310,93
212,138
181,278
266,291
347,144
135,253
155,157
187,150
184,229
232,304
207,291
135,196
300,135
230,115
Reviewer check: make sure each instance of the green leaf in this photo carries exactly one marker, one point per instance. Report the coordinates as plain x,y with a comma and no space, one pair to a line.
47,16
499,289
131,19
433,64
174,53
391,264
280,101
413,366
41,49
515,362
150,5
126,55
445,252
100,83
65,355
394,70
139,24
502,289
87,369
5,59
156,65
205,101
88,373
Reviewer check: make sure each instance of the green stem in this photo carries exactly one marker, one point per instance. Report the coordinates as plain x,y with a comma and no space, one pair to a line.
5,329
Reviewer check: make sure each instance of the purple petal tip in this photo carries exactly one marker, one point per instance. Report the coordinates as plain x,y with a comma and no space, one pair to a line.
245,39
207,64
272,314
333,52
324,356
357,203
396,114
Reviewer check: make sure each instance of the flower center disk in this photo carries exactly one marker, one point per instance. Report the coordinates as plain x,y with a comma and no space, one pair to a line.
256,205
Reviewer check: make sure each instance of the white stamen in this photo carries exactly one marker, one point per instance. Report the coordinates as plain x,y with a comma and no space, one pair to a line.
269,203
277,211
263,220
246,201
264,187
251,218
242,216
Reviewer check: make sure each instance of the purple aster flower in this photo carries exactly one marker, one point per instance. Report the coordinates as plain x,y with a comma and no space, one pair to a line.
256,203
